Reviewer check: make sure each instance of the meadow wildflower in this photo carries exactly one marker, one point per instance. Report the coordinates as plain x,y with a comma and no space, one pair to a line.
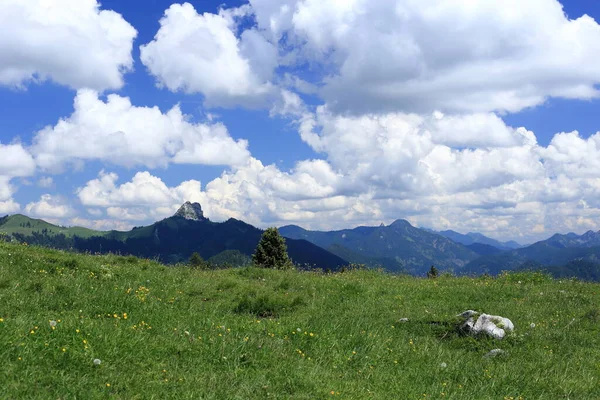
53,324
443,365
97,361
532,325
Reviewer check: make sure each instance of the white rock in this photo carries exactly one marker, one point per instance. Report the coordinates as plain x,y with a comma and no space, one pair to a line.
468,314
493,325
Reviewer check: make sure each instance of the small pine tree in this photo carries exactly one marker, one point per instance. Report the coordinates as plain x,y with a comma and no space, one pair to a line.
196,261
433,272
271,251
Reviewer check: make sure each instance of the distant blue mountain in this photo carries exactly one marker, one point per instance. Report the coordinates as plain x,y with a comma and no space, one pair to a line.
474,237
399,246
559,250
483,249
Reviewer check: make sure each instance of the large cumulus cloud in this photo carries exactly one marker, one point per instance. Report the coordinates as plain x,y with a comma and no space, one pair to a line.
71,42
450,55
382,56
117,132
200,53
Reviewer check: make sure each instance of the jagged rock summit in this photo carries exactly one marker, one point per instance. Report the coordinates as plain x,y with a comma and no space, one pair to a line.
191,211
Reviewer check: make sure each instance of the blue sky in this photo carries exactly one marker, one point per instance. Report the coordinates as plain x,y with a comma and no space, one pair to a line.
325,114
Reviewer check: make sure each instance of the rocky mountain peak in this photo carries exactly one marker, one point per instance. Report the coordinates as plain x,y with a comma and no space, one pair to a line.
191,211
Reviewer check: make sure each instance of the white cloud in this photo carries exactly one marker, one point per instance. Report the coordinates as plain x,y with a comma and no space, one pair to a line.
250,193
46,182
8,206
54,207
95,212
572,155
120,133
6,189
71,42
384,167
400,155
15,161
380,56
143,190
144,198
99,224
200,53
452,55
387,166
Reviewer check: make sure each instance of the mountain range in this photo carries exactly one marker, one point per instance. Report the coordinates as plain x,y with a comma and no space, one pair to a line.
171,240
403,247
557,251
477,238
398,247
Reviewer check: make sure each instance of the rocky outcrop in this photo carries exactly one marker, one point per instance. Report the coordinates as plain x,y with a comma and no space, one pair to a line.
191,211
492,325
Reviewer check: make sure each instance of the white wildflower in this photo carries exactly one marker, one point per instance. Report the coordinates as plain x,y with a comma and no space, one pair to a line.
97,361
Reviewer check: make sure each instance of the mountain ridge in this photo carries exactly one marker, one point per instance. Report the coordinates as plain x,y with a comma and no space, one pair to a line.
398,247
413,249
476,237
170,240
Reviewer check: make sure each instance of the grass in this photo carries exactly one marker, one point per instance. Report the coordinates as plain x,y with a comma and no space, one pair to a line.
163,332
23,225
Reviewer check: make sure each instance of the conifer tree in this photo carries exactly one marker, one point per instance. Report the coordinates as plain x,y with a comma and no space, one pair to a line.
271,251
433,272
196,261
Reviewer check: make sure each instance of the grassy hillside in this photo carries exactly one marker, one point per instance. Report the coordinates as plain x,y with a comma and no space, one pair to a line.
165,333
23,225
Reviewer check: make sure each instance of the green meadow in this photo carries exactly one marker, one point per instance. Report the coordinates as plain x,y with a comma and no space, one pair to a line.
159,332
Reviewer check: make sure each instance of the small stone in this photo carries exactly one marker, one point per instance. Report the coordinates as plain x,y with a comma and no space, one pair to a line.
494,353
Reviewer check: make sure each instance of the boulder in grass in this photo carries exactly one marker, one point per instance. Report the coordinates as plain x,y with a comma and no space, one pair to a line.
492,325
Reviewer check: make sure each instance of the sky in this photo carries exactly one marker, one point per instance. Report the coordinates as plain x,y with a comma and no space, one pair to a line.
476,116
